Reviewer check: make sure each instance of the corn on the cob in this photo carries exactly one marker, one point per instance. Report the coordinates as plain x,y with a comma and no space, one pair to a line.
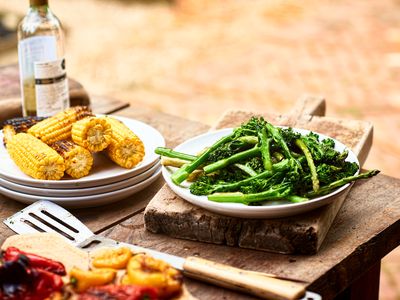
92,133
35,158
16,125
78,160
59,126
125,148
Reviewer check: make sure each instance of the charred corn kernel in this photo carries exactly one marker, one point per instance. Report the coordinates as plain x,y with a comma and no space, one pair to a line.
59,126
82,280
144,270
16,125
125,148
92,133
35,158
112,258
78,160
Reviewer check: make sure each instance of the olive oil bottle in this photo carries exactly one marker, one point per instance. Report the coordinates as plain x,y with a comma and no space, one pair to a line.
44,85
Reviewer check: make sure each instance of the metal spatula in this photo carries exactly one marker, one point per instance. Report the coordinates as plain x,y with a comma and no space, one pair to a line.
45,216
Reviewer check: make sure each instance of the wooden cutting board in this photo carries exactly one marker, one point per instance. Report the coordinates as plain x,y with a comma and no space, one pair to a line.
167,213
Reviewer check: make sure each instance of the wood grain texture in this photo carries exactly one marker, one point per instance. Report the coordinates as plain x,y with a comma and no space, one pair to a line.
174,129
169,214
364,231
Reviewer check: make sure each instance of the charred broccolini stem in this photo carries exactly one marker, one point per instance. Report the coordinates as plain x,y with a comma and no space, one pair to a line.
274,193
281,142
167,152
310,162
183,172
265,151
338,183
220,164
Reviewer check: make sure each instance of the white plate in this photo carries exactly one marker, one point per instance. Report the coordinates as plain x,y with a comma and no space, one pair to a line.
104,170
274,209
85,201
81,191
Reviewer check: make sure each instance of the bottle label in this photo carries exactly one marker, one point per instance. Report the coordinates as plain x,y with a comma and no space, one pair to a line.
36,48
51,87
43,77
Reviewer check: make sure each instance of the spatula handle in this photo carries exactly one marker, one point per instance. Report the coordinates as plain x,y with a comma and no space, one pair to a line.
255,283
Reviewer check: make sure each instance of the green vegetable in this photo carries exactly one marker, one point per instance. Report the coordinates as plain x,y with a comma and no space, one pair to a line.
259,162
310,161
174,154
338,183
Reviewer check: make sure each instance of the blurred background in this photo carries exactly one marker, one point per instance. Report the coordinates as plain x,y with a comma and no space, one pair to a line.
198,58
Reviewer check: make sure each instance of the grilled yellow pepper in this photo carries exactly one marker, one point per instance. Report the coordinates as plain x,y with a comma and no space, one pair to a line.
82,280
112,258
144,270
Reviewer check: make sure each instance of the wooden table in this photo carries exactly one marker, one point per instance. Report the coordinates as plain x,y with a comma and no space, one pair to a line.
346,267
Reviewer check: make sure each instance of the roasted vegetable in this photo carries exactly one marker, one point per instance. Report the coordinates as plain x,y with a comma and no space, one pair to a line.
16,125
144,270
59,126
82,280
21,279
35,261
125,149
78,160
259,162
35,158
112,258
92,133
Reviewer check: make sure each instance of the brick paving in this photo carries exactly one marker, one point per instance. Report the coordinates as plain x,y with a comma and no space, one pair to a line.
198,58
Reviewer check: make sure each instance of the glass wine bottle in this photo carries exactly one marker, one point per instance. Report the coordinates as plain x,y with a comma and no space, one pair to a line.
44,85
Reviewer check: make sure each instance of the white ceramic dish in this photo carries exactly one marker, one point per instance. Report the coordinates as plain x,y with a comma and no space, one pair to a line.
104,170
274,209
81,191
84,201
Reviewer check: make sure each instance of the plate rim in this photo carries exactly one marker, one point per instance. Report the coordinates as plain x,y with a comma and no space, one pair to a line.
254,211
84,181
45,192
80,198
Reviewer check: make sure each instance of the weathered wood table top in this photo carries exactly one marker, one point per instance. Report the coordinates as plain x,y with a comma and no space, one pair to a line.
365,230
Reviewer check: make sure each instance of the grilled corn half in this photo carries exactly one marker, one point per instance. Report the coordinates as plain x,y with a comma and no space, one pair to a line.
16,125
78,160
58,127
125,148
92,133
35,158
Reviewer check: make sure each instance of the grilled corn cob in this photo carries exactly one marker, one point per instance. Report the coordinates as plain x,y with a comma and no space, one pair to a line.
78,160
92,133
125,148
35,158
59,126
16,125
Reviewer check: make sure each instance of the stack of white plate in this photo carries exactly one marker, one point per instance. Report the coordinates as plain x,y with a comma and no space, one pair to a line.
106,183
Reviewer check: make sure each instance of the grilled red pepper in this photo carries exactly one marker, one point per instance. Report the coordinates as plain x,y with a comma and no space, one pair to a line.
120,292
19,280
35,261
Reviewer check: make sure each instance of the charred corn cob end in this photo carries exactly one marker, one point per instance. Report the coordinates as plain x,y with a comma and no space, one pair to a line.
125,148
59,126
78,160
92,133
16,125
35,158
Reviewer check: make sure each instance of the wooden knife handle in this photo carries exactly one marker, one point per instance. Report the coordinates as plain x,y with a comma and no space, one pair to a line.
255,283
